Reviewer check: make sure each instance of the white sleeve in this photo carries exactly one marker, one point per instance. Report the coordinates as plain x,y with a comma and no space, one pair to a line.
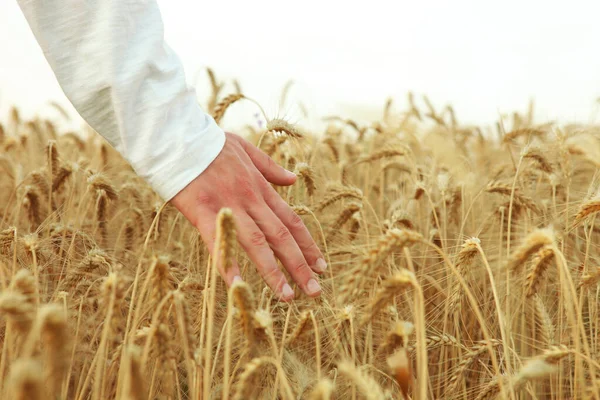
112,62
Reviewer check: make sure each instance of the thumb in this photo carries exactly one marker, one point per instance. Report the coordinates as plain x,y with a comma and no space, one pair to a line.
272,171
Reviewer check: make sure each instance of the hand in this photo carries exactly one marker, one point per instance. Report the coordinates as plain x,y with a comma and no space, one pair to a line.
267,227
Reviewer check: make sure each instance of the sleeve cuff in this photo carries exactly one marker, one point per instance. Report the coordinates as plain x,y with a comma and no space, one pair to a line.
182,167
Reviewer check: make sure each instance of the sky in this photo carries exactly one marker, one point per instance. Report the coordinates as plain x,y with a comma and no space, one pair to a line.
485,58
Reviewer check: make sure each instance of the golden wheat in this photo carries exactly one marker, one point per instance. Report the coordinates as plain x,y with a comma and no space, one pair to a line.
454,272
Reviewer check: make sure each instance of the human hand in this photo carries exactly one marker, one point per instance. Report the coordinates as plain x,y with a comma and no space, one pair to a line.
267,227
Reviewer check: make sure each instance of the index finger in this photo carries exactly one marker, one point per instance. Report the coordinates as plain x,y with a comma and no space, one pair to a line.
312,253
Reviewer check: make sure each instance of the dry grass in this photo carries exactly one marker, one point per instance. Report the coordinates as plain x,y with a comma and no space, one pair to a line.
457,269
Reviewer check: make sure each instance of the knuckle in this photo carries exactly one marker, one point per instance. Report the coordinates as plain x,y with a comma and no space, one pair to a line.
298,267
271,195
296,221
272,275
257,238
263,184
283,234
204,199
245,146
313,249
245,188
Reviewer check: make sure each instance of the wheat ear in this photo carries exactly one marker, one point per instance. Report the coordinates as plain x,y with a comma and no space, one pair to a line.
365,384
220,109
533,242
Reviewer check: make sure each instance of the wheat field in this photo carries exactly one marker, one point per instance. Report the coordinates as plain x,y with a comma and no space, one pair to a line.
463,264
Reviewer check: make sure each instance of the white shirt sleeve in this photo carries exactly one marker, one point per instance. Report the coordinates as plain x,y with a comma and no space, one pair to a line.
112,62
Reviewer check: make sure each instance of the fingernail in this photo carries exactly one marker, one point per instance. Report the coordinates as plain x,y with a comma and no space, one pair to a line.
313,287
237,279
320,265
287,291
290,174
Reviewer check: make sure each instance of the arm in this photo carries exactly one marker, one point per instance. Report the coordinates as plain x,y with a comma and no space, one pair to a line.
111,61
110,58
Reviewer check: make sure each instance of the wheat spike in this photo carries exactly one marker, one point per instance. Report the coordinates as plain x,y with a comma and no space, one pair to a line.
554,354
546,326
338,194
382,154
469,358
586,210
323,390
61,177
590,278
32,202
303,326
114,283
186,324
307,174
342,218
541,262
135,386
282,126
463,261
518,198
245,380
393,239
245,303
536,155
365,384
390,288
26,380
225,240
355,221
535,241
330,143
401,368
220,109
57,345
19,311
99,183
397,337
529,132
401,219
301,209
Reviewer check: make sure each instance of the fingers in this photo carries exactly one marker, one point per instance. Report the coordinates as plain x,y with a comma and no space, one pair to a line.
254,242
207,228
272,172
286,249
298,229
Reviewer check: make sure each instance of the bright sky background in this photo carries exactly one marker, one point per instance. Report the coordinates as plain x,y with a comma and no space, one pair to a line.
483,57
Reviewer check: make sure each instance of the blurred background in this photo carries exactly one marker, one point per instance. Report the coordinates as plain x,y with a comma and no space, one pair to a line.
347,58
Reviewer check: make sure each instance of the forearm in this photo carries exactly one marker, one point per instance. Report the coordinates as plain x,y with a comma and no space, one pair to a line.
111,61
